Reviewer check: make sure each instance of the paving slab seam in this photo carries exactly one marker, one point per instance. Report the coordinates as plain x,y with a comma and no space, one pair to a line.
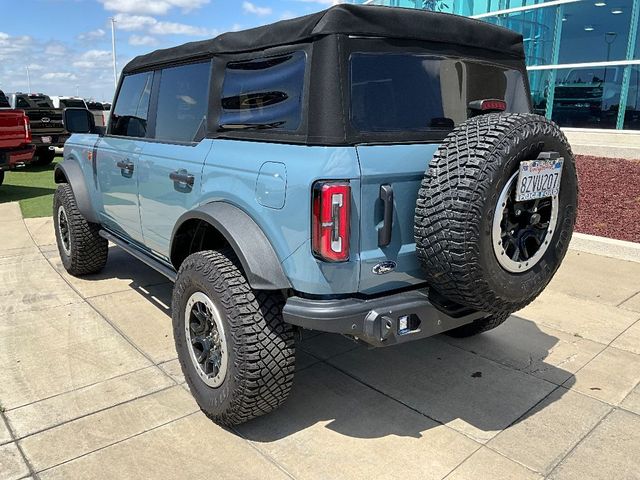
262,453
32,471
572,449
127,339
626,300
119,441
88,385
122,334
100,410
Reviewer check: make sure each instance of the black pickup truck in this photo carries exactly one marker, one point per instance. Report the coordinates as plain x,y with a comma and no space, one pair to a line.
47,128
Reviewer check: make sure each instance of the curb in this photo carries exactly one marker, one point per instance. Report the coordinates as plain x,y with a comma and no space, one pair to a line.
606,247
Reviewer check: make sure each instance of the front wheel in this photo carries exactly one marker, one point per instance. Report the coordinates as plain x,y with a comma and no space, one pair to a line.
236,352
82,250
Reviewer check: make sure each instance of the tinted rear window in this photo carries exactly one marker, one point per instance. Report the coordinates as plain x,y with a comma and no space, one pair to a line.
4,103
72,103
94,106
412,92
264,93
41,101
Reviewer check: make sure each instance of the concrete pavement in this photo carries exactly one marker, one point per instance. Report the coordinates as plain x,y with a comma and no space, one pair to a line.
90,386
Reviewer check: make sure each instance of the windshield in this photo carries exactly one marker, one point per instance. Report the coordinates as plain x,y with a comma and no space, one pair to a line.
412,92
72,103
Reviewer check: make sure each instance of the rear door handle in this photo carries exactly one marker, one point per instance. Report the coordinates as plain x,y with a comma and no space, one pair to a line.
384,232
181,176
125,165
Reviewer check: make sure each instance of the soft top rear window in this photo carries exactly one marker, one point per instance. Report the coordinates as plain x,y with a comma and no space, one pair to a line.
72,103
400,92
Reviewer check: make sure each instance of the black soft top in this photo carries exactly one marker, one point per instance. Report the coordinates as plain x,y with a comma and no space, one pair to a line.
360,20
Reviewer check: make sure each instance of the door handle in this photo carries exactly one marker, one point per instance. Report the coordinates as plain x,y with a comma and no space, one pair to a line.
181,176
384,232
125,165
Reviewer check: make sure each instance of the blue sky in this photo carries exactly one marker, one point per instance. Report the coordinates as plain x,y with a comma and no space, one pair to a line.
67,43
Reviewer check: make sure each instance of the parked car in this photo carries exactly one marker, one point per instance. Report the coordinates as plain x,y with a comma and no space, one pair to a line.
341,174
97,109
46,124
15,137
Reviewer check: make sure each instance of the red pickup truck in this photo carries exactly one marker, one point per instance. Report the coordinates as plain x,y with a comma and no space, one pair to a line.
15,137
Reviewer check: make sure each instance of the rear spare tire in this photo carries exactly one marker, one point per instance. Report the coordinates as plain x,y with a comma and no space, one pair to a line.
477,245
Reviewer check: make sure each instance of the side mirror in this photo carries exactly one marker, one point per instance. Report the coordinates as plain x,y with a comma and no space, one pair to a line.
78,120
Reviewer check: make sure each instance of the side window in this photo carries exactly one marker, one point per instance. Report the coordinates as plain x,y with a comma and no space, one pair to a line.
132,106
182,102
264,93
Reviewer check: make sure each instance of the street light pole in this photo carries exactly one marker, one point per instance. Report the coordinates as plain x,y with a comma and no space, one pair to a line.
113,52
28,80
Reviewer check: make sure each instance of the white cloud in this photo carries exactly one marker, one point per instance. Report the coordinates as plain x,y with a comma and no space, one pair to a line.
138,40
151,7
156,27
59,76
92,35
249,7
11,47
94,59
55,49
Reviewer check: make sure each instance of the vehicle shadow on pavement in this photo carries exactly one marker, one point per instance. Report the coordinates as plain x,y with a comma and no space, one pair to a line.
478,386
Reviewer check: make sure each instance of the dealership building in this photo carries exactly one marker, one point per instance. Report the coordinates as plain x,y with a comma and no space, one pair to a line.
583,57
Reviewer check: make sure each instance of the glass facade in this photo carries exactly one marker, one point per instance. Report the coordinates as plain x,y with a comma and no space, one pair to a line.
583,56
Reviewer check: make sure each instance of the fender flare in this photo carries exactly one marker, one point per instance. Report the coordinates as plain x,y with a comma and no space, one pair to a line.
70,172
254,250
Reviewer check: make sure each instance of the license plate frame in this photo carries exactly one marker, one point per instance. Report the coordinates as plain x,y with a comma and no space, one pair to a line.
539,179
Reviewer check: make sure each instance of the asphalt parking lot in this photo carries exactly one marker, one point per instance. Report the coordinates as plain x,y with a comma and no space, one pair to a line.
90,386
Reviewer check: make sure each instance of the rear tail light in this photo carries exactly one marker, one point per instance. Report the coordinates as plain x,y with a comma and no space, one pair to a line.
330,222
491,105
27,129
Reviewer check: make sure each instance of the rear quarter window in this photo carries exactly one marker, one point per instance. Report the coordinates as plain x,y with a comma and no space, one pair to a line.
4,103
264,93
413,92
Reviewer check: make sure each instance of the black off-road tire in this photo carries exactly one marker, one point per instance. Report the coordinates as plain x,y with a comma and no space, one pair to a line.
1,176
261,346
88,250
456,206
43,157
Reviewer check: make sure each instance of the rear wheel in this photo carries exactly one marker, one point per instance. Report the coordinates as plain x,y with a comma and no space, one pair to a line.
478,246
43,156
235,350
82,250
1,176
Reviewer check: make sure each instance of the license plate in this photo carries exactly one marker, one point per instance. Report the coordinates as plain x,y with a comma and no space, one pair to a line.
46,139
539,179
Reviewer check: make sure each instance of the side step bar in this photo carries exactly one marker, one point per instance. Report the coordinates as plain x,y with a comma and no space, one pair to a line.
143,257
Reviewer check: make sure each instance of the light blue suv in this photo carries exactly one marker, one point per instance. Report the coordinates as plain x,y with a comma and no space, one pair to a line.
369,171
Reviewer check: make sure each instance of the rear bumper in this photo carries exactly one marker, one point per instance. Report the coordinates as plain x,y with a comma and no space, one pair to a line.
10,159
380,321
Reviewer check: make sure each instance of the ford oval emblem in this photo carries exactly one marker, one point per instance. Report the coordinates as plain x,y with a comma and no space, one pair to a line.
384,267
45,119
